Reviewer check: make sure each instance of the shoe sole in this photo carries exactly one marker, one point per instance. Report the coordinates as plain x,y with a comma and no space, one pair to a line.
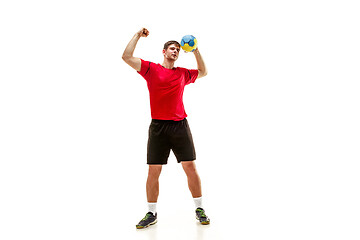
142,227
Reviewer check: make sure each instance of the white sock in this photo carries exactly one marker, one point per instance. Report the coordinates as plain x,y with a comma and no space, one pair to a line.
198,202
152,207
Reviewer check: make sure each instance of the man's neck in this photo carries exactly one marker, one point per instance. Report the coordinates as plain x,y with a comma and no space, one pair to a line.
168,64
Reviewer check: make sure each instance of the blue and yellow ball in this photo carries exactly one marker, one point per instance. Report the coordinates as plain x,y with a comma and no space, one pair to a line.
188,43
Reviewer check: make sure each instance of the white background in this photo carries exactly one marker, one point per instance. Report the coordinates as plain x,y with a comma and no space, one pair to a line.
275,122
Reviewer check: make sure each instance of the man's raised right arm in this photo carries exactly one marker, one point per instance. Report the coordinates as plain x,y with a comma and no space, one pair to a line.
127,56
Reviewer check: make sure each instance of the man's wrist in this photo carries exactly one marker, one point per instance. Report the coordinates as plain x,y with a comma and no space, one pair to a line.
137,35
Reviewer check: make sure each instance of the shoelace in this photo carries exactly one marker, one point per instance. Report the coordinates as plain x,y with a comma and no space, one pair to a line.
146,216
202,214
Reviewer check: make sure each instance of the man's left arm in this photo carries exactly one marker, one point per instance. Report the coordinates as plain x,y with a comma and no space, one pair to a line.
200,63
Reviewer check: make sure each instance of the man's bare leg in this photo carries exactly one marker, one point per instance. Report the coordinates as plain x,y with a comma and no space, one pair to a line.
194,181
195,189
152,183
152,192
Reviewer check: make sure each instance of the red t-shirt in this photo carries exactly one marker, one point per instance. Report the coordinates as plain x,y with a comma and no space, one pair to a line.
166,88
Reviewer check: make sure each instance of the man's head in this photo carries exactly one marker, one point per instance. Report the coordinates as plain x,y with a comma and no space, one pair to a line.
171,50
168,43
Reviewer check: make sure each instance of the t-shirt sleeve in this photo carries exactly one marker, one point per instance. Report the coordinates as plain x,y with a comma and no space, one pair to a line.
145,69
191,75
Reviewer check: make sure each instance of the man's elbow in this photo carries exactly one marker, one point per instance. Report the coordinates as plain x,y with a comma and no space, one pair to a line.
203,73
125,57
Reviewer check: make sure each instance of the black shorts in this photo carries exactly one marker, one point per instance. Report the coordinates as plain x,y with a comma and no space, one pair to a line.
166,135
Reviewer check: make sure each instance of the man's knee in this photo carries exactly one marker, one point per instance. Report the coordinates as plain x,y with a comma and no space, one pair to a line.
154,171
189,167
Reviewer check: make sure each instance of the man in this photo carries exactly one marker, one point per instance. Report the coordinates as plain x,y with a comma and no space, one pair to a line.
169,129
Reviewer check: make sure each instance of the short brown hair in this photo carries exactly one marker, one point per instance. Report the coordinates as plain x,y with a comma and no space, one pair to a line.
168,43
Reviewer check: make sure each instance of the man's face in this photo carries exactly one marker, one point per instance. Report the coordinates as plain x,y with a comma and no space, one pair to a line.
172,52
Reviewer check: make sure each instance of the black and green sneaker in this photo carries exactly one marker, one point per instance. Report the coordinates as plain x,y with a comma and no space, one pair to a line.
201,216
148,220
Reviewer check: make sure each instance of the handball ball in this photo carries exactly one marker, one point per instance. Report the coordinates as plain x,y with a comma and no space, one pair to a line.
188,43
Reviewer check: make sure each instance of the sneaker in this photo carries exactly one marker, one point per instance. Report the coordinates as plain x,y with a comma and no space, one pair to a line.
201,216
148,220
